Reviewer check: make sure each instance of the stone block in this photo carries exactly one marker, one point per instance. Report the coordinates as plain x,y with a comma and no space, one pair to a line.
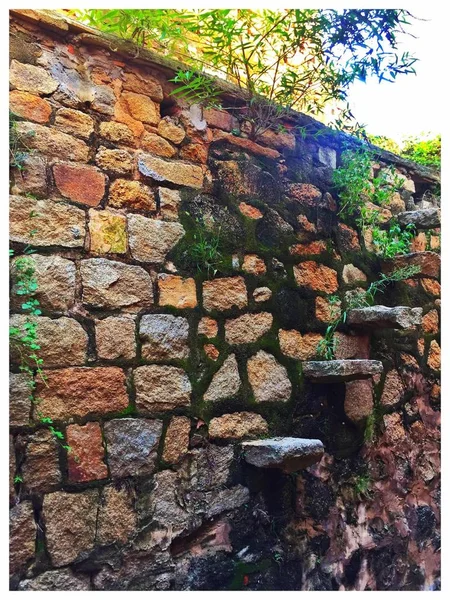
247,328
74,122
29,78
176,172
225,382
22,537
50,141
161,387
107,232
40,469
286,453
115,338
176,291
316,277
150,239
224,293
132,195
334,371
236,426
80,183
268,379
29,107
114,162
86,459
164,337
176,442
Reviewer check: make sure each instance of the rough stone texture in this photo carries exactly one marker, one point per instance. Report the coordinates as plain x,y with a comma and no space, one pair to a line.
70,521
235,426
421,219
327,311
208,327
19,399
176,442
269,379
29,78
118,133
248,328
109,284
347,239
177,291
62,580
53,223
225,382
169,203
29,107
176,172
249,211
429,263
86,459
132,446
78,392
116,517
161,388
107,232
393,389
155,144
52,142
114,162
286,453
358,403
164,337
434,356
316,247
170,131
332,371
224,293
32,178
150,239
55,278
63,342
22,536
262,294
142,108
74,122
397,317
211,351
80,183
254,265
40,469
351,346
351,275
132,195
143,83
430,286
298,346
115,338
430,322
316,277
305,193
220,119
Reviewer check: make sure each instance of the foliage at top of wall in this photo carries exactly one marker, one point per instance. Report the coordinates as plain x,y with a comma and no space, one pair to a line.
420,149
290,58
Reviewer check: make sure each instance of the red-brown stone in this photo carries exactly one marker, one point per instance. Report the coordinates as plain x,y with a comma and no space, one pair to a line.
80,183
29,107
86,456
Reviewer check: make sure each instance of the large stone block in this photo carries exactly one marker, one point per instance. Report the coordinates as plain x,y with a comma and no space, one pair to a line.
333,371
235,426
118,133
107,232
70,525
50,141
285,453
142,108
29,78
62,580
22,537
55,278
161,387
116,517
110,284
225,382
176,442
132,195
80,183
164,337
315,276
40,469
150,239
381,317
358,403
269,379
63,342
46,223
176,172
132,446
247,328
78,392
224,293
298,346
86,458
156,144
19,399
29,107
114,162
429,264
115,338
176,291
141,83
74,122
32,177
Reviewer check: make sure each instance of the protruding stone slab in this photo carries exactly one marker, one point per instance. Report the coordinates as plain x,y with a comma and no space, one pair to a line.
422,219
428,262
286,453
334,371
386,317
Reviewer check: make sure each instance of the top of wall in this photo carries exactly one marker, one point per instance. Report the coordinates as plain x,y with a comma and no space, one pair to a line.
74,30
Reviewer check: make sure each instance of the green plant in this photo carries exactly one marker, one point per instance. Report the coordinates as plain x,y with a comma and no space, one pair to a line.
281,59
393,241
326,348
204,251
196,88
423,151
362,484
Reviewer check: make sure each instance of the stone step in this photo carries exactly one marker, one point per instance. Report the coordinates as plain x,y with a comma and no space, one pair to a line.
286,453
334,371
426,218
385,317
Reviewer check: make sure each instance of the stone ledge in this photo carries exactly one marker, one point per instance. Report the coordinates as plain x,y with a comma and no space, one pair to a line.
335,371
286,453
427,218
385,317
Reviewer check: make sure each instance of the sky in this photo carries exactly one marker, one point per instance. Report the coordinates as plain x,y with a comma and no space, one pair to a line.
413,104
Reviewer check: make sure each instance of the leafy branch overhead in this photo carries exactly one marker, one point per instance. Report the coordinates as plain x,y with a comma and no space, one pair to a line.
291,58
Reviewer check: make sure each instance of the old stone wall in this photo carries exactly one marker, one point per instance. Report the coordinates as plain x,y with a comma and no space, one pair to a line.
160,357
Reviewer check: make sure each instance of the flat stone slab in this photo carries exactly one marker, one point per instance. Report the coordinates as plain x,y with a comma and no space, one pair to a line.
426,218
334,371
286,453
385,317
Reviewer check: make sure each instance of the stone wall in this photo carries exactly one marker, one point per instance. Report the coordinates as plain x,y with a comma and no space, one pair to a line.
158,362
